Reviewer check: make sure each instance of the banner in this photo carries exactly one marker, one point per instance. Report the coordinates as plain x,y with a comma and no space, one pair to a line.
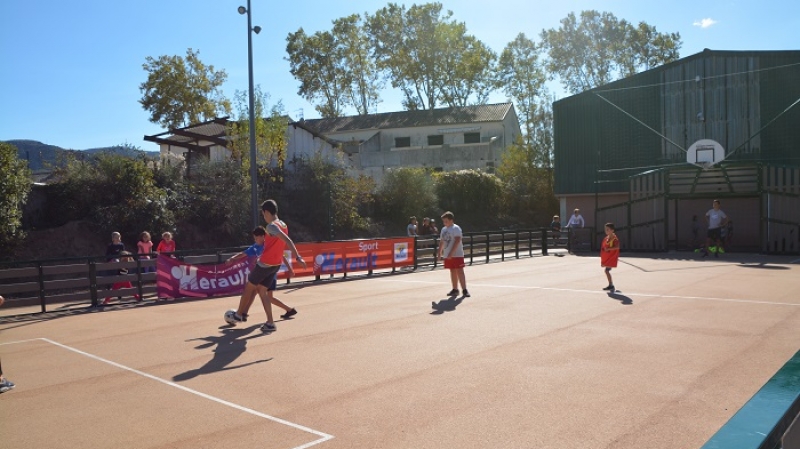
176,279
354,256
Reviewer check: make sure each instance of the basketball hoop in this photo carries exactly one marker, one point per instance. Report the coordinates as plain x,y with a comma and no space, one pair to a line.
705,153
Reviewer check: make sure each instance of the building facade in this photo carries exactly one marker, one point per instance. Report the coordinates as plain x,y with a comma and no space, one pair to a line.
446,139
623,147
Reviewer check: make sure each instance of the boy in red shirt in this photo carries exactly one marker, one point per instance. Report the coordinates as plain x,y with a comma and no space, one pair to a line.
609,254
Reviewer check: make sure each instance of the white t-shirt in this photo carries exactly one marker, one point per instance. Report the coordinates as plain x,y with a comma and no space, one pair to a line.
715,218
448,237
411,229
575,221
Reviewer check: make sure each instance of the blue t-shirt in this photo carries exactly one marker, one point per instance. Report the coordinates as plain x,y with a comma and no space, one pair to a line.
254,250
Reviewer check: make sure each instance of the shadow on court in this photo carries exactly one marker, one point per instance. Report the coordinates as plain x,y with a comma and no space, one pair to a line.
625,300
446,305
229,346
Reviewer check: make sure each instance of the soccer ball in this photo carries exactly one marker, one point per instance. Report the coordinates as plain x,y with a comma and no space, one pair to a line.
230,317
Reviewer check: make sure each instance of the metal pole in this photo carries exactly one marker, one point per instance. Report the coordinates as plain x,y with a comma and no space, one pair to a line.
253,168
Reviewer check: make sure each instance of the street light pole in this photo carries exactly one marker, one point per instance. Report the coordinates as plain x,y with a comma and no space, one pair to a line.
252,125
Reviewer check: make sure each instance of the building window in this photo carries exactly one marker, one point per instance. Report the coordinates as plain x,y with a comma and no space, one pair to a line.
436,139
400,142
472,137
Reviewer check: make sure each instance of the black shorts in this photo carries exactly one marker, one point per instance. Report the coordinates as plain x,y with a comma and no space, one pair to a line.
715,234
262,275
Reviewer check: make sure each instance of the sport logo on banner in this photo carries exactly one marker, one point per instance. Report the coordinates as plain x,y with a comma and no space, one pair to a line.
400,252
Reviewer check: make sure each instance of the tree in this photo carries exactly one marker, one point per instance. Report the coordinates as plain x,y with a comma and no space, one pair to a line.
429,57
316,62
647,49
182,91
405,192
475,196
522,76
529,194
117,192
271,136
471,65
15,184
365,78
328,198
335,67
599,48
216,201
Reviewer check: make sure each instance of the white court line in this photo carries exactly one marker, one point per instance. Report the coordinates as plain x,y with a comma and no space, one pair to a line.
647,295
323,436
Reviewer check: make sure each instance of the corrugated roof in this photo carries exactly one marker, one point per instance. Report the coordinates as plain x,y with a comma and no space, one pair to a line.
408,119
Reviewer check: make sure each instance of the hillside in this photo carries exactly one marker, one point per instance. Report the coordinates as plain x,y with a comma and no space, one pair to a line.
41,156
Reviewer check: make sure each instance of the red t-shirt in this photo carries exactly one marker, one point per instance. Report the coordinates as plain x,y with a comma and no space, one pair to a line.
609,258
274,246
166,246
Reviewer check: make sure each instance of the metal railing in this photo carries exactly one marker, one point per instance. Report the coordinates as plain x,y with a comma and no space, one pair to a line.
80,281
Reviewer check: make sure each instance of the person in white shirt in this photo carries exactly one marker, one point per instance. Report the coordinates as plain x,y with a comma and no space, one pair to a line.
451,252
576,220
716,220
411,229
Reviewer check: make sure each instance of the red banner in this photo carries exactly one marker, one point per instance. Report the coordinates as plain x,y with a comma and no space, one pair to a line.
176,279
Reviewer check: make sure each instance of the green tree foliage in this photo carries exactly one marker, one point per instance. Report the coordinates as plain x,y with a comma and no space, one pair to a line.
428,56
597,48
15,184
471,66
116,192
182,91
271,137
365,78
406,192
529,194
216,202
473,196
521,75
317,63
329,199
335,68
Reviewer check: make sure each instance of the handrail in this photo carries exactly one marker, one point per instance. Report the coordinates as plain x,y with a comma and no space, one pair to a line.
88,278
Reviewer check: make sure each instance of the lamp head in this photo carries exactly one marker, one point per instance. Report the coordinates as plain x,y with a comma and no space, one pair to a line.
242,10
256,29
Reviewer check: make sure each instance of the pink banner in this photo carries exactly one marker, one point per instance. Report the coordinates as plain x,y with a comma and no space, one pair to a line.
176,279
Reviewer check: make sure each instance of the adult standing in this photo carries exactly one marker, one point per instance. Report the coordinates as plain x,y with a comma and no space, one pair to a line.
575,222
451,251
716,219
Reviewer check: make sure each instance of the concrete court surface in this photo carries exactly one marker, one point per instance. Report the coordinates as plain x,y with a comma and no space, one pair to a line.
538,357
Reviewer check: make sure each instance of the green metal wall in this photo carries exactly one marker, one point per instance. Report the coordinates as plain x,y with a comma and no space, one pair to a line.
739,99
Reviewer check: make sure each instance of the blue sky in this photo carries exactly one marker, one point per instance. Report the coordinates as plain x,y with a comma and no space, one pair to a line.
71,69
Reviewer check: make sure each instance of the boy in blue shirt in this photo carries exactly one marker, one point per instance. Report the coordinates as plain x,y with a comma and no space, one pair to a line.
249,293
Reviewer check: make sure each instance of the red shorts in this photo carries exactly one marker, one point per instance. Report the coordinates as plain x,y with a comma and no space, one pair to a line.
454,262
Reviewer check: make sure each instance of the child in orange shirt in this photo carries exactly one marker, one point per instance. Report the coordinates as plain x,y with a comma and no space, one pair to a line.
166,245
609,254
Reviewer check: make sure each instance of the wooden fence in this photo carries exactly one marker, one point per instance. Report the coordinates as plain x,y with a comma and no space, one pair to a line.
79,282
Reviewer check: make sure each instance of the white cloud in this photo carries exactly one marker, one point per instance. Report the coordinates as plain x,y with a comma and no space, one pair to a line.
705,23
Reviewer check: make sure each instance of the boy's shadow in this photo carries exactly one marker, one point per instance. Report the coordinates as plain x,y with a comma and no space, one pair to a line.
228,348
626,301
445,305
